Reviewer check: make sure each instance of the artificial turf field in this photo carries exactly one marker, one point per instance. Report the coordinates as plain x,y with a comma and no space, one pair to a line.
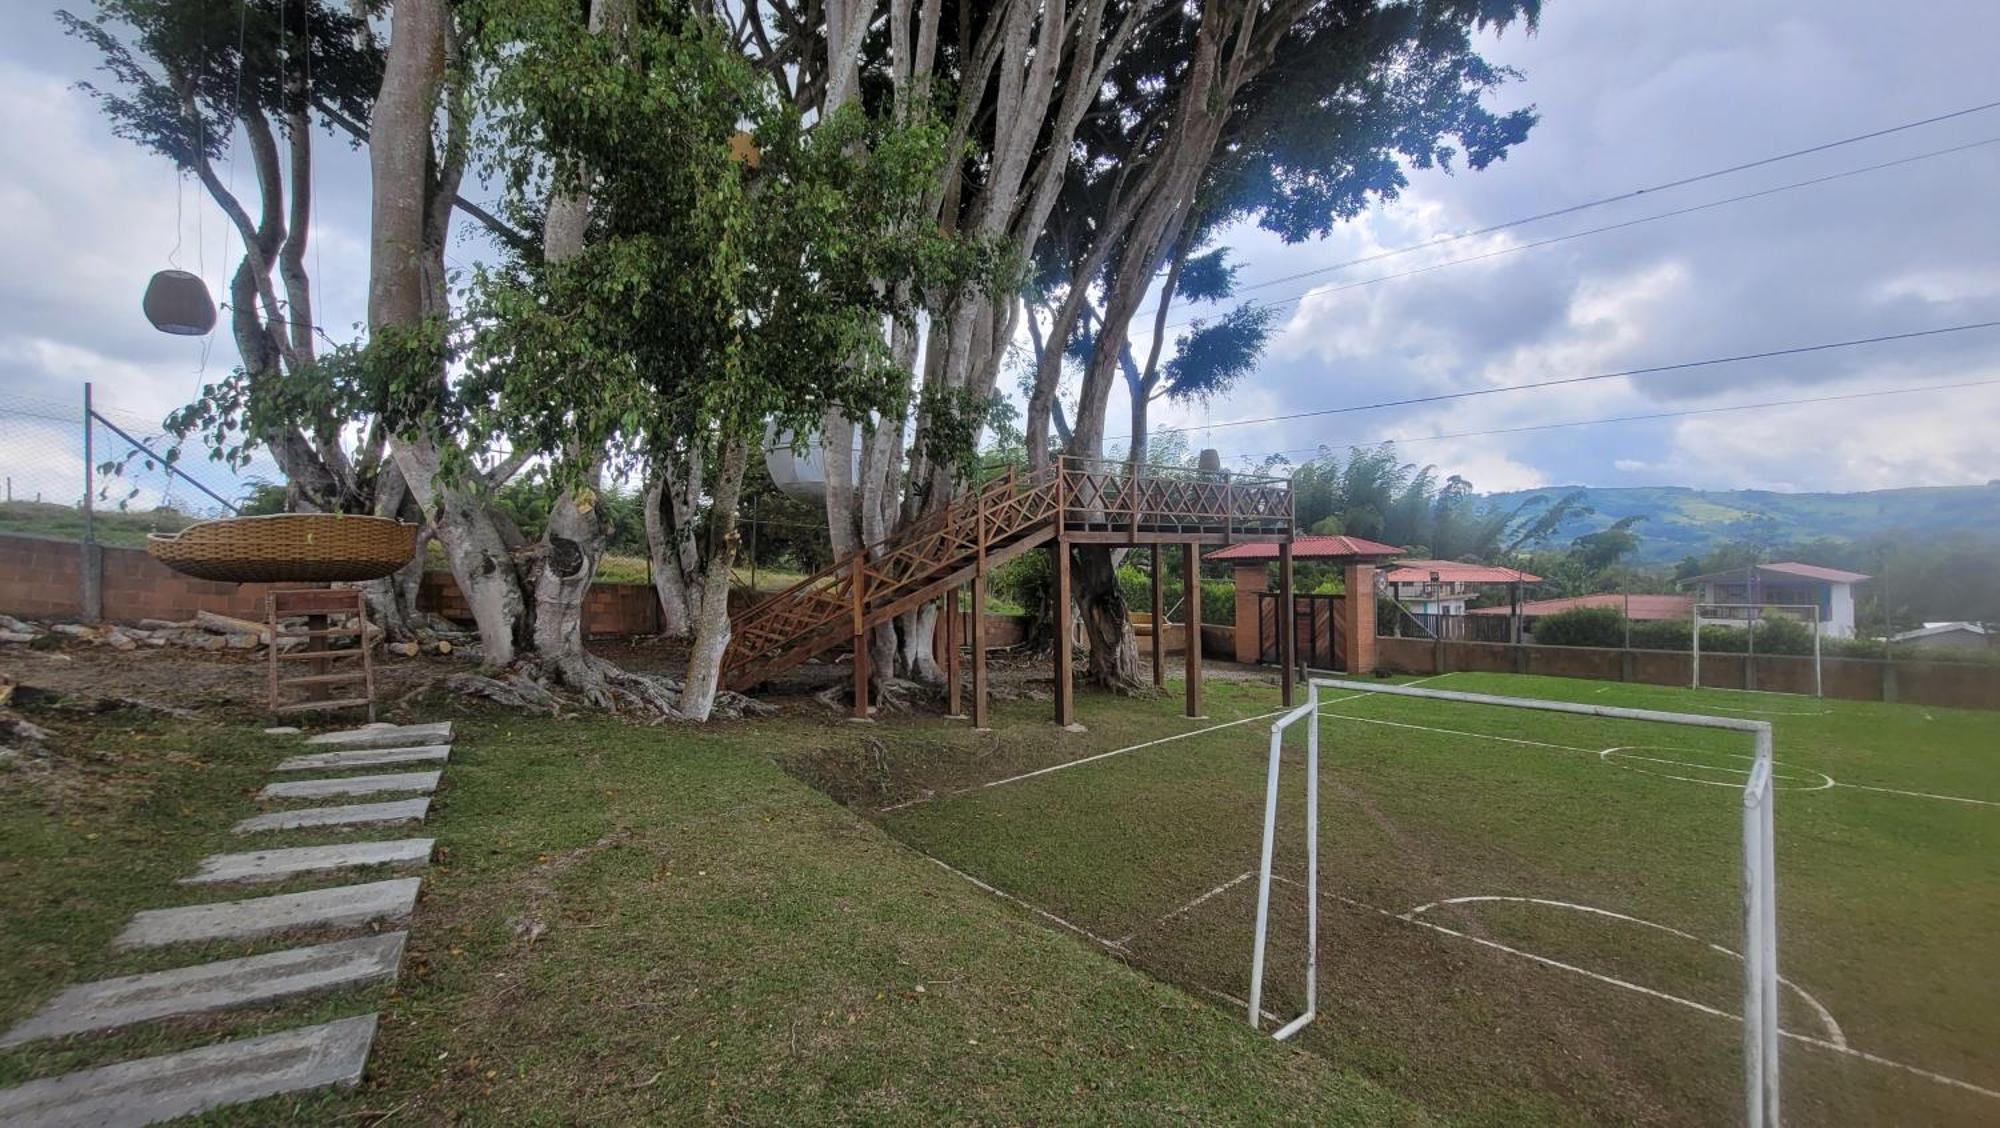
1529,917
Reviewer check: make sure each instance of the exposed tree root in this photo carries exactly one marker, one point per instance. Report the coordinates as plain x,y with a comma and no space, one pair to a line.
574,683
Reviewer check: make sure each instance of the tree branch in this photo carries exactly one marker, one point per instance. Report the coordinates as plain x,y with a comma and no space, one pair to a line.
514,237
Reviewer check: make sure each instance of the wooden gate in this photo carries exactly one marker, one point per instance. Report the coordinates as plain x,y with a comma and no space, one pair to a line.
1321,625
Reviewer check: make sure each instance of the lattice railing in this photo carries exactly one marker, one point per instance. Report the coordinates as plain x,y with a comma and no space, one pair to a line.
1091,493
1109,495
938,544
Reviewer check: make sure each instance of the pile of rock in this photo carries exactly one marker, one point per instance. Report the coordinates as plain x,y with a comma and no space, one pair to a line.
209,630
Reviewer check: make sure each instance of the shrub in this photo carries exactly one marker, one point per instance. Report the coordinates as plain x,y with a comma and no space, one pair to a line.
1023,581
1582,626
1662,634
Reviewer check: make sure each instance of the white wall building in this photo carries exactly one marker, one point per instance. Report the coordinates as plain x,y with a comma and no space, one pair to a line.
1787,583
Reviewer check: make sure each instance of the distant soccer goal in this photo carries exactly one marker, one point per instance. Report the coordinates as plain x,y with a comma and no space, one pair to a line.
1760,920
1751,617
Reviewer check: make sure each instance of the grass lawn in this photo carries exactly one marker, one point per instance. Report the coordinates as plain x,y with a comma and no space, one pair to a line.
110,525
1888,902
648,925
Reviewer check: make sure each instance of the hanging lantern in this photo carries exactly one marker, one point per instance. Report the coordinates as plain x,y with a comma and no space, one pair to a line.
177,302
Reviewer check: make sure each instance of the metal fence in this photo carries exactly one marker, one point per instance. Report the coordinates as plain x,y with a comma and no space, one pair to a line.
48,456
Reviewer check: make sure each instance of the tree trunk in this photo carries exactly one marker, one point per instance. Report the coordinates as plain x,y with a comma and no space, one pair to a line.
1114,649
475,549
669,581
571,549
711,632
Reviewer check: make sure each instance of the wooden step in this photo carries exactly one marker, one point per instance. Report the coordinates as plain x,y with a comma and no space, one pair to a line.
304,655
339,703
324,679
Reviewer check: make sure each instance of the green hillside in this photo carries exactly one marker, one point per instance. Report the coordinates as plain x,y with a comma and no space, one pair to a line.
1682,522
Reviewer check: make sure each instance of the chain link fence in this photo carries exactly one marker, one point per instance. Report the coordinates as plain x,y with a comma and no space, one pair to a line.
47,473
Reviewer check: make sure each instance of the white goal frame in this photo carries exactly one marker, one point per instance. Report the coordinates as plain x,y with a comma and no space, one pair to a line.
1760,891
1756,613
1309,709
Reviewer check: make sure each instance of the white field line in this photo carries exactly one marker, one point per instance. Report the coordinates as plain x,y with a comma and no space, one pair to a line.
1630,752
1068,764
1240,1004
1803,1039
1921,794
1040,912
1833,1032
1195,904
1601,753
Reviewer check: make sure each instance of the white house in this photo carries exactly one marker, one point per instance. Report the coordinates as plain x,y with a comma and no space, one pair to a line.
1441,587
1959,636
1787,583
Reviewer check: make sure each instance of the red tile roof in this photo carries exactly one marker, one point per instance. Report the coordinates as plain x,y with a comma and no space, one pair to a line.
1313,548
1455,572
1643,607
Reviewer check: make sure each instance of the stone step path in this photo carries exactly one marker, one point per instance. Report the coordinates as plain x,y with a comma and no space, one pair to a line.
386,736
350,785
153,1089
111,1003
173,1085
366,758
344,906
277,865
353,814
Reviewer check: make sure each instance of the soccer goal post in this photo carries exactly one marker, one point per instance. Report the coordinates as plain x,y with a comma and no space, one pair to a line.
1309,712
1760,891
1750,615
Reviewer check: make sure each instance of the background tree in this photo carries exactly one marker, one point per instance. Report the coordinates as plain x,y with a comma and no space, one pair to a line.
1298,114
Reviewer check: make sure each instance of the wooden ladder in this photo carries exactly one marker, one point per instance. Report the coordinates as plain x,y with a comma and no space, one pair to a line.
316,604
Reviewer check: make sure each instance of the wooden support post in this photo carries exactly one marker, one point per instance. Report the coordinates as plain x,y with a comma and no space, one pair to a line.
952,626
1288,626
1159,622
1191,587
1065,656
979,618
859,595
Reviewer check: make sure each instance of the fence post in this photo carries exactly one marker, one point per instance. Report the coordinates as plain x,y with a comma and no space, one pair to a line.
90,557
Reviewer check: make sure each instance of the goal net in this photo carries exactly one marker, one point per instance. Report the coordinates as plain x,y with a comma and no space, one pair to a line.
1791,629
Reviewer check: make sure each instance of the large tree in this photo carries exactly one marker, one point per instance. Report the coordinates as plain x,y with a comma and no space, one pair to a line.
1297,114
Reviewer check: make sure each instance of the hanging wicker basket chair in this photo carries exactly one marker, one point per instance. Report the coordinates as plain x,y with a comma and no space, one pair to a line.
288,548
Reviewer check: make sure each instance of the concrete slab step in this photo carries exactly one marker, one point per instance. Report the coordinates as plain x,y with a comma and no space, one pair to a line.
350,785
386,736
366,758
353,814
153,1089
343,906
277,865
111,1003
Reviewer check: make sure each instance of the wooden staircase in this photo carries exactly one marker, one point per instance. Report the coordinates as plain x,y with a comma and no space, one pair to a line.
1074,501
996,523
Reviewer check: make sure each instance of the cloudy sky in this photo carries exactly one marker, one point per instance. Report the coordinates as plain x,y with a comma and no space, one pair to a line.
1630,96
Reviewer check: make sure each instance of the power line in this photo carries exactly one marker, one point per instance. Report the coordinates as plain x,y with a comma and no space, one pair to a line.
1648,416
1678,366
1317,291
1617,198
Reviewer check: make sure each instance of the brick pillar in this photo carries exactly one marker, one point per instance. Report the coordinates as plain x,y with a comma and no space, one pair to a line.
1250,579
1360,648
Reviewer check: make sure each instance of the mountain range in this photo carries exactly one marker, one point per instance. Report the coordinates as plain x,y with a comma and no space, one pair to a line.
1682,522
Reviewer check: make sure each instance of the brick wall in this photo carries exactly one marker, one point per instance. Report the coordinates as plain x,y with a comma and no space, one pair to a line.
1957,685
40,578
609,611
